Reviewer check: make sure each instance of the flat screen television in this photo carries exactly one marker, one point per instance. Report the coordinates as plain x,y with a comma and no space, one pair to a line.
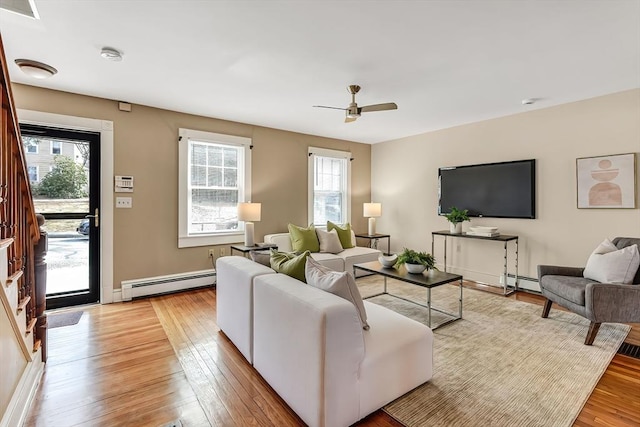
496,190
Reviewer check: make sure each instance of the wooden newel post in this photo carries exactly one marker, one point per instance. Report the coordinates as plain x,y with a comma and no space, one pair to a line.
40,251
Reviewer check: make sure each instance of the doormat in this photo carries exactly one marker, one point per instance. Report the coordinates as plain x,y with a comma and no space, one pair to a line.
67,318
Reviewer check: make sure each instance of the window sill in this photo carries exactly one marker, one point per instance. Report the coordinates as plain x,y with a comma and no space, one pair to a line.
209,240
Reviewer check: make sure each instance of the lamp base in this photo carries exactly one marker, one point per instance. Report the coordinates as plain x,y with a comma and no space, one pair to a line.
248,234
372,226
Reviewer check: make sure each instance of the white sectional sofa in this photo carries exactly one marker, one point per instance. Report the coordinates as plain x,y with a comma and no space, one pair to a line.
342,261
309,345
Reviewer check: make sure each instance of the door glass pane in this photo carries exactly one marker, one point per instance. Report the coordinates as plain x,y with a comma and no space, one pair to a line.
61,186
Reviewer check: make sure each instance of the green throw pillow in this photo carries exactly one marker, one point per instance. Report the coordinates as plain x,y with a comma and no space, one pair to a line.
290,264
304,239
344,234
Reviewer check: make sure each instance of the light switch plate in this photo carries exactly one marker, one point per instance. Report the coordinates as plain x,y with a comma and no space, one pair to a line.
124,202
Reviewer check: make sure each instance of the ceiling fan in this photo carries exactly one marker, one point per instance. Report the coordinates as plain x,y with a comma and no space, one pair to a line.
353,111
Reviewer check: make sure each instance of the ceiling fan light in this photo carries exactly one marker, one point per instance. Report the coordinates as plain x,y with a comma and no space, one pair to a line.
35,69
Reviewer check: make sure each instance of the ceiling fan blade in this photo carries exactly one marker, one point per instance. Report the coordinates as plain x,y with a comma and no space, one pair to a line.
350,119
379,107
333,108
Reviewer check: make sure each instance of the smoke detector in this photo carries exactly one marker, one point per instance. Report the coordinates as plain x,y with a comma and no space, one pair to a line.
111,54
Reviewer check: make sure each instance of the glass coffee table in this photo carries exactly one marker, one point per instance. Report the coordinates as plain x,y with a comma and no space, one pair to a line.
428,281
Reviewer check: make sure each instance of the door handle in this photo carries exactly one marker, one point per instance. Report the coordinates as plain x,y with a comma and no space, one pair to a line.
96,218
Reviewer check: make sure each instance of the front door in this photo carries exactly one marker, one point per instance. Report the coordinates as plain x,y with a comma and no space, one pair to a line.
64,170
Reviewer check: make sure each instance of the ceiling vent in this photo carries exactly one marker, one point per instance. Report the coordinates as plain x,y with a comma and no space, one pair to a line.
21,7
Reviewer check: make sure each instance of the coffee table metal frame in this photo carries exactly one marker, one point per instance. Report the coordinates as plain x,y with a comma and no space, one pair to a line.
434,279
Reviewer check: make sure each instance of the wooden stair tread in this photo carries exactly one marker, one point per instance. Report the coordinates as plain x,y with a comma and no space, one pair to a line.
5,243
31,325
23,303
14,277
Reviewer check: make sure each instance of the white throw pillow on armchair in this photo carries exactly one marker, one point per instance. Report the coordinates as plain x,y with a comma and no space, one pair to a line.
608,264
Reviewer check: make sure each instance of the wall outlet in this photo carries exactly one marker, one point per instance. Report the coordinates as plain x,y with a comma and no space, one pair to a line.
223,251
212,253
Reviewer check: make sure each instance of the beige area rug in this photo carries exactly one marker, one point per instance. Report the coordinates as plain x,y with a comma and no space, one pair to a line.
502,364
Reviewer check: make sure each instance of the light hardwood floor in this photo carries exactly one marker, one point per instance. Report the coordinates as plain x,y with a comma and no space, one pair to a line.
153,361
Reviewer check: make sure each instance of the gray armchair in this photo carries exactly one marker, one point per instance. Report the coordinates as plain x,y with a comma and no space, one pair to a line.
598,302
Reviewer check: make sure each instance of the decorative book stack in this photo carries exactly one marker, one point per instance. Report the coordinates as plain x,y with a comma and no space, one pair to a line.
483,231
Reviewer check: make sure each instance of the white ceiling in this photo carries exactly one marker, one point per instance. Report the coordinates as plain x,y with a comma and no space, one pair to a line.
268,62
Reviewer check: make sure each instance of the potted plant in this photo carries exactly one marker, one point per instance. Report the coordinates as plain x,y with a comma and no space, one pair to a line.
455,218
415,262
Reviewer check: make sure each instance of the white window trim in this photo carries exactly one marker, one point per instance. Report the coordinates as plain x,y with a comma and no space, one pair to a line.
184,239
325,152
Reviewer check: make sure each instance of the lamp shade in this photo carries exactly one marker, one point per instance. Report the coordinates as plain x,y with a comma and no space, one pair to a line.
372,210
249,211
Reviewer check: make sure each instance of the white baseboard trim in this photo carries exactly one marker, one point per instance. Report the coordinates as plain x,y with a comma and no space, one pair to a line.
20,403
164,284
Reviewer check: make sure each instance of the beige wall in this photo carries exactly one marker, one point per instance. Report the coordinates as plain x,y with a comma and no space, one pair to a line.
405,172
145,145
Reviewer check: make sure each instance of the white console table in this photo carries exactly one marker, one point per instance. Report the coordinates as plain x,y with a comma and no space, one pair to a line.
505,238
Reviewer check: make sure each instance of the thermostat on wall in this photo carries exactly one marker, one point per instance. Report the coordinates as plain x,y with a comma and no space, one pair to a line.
124,184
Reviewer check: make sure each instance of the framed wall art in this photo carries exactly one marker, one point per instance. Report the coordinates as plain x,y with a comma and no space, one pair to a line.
606,181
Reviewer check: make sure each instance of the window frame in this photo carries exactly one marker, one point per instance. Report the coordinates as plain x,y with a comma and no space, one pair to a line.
338,154
37,173
27,146
185,239
51,143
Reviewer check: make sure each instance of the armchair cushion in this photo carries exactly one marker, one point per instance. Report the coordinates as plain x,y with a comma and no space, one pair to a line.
569,288
608,264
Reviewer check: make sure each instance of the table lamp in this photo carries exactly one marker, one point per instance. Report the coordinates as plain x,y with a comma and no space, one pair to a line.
372,211
249,212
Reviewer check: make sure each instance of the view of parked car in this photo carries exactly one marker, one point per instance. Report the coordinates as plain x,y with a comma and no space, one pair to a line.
83,228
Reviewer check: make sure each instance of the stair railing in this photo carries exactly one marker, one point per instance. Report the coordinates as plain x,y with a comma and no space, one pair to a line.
17,215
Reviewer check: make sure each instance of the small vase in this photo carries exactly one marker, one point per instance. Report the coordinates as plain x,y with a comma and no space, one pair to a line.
415,268
455,228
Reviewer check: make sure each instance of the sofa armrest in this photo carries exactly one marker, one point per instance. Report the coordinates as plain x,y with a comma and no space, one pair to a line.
554,270
308,345
611,302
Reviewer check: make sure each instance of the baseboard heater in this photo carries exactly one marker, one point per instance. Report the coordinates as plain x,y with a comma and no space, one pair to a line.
166,284
524,283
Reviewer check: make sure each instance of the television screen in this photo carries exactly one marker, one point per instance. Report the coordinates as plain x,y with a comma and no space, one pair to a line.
497,190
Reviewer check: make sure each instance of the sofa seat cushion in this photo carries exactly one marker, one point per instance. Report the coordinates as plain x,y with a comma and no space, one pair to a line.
358,255
398,357
569,288
334,262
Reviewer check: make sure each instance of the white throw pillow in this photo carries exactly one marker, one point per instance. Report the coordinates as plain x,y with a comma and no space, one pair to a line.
329,241
339,283
608,264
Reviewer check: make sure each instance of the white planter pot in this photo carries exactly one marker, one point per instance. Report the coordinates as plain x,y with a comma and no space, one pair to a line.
415,268
455,228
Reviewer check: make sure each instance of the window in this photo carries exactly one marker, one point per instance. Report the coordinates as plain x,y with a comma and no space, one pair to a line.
55,147
329,186
33,173
214,177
